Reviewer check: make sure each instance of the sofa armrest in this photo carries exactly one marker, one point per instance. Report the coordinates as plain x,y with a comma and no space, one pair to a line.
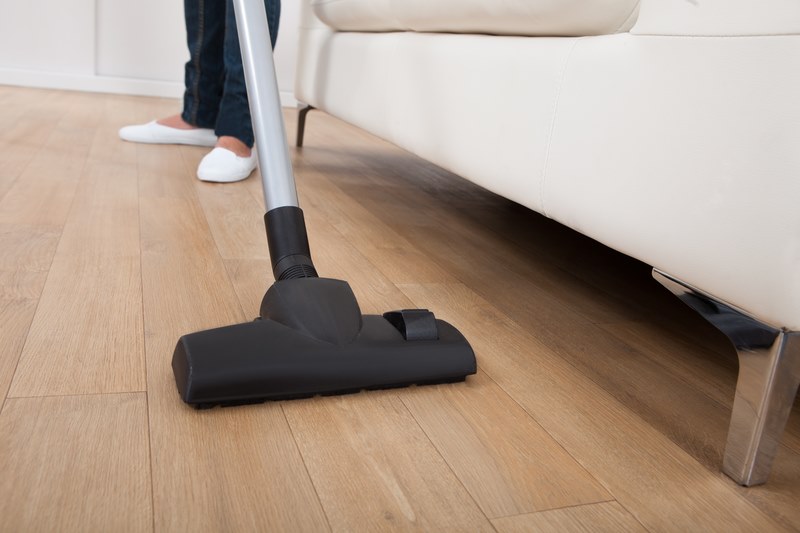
718,17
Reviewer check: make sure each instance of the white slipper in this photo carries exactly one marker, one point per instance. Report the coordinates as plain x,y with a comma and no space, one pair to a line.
155,133
221,165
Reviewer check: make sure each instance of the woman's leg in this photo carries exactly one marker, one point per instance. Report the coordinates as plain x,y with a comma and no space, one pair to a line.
204,74
233,125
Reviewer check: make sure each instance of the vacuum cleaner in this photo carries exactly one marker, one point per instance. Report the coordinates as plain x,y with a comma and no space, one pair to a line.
310,338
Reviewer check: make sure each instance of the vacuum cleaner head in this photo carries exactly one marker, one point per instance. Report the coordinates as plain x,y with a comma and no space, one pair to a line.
312,339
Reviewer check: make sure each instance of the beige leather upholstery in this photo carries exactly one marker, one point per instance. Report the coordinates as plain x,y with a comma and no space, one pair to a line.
508,17
718,17
683,152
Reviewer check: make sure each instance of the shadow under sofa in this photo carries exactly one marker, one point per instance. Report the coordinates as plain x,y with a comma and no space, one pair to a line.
668,131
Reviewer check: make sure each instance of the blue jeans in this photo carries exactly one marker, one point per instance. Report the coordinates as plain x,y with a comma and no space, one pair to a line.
216,95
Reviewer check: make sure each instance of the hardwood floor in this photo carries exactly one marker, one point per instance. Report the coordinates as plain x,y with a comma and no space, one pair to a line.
601,403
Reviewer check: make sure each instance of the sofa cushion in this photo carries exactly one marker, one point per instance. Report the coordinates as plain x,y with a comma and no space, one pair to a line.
510,17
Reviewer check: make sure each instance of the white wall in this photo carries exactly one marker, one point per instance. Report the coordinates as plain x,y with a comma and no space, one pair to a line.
145,39
113,45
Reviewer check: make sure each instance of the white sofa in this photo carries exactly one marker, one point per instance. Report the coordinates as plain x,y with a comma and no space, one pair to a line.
669,131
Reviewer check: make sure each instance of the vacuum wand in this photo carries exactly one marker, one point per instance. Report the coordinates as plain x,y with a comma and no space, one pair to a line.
274,162
286,230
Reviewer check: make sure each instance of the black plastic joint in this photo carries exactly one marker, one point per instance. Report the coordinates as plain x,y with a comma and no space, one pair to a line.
288,243
414,324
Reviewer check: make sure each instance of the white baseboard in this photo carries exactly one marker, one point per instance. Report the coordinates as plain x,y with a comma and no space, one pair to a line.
103,84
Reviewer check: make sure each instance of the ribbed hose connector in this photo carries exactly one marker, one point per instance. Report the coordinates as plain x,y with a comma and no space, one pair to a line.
299,271
288,244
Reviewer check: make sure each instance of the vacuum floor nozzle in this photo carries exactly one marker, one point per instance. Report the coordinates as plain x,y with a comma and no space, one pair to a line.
312,339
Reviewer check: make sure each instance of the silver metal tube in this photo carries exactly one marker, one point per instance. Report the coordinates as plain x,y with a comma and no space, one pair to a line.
265,104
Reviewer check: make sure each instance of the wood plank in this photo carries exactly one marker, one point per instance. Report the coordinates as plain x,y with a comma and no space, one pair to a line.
396,258
219,470
75,463
375,469
507,461
42,195
27,254
90,312
608,517
640,467
34,207
705,370
779,496
27,119
87,334
16,316
236,221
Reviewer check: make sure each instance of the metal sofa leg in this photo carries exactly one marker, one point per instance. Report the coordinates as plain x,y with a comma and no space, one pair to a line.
769,374
303,110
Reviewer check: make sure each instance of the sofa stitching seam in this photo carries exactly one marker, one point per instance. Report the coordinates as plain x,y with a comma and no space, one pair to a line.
556,101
